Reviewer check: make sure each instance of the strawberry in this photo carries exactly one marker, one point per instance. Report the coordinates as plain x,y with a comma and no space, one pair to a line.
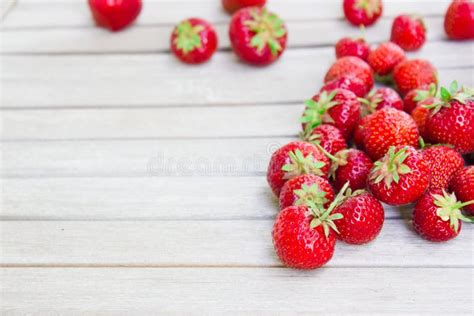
437,216
115,15
419,115
304,188
357,47
351,166
295,159
385,128
350,83
459,20
414,73
443,162
412,98
362,12
385,57
232,6
193,41
362,217
462,185
400,177
452,120
339,108
359,133
257,36
408,32
379,99
351,66
329,137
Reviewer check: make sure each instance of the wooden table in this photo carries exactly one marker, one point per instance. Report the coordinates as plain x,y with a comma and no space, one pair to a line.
134,184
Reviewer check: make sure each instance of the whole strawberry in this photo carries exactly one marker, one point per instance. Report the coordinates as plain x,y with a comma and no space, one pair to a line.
295,159
385,128
379,99
115,15
304,189
351,67
351,166
357,47
462,185
452,121
408,32
437,216
257,36
400,177
362,12
385,57
443,162
412,98
340,108
350,83
414,73
193,41
328,137
232,6
459,20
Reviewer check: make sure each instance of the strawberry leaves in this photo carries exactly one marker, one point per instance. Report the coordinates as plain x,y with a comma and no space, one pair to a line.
268,29
390,167
299,165
187,36
449,209
316,111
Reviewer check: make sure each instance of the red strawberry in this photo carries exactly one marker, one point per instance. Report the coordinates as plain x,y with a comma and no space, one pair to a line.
115,15
414,73
351,166
408,32
350,83
339,108
385,128
379,99
400,177
359,133
232,6
419,115
417,95
362,217
257,36
193,41
363,12
308,187
462,185
357,47
437,216
295,159
351,67
459,20
385,57
452,121
443,162
328,137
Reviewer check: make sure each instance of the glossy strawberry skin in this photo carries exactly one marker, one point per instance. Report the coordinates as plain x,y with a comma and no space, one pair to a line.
209,42
351,66
408,32
387,98
419,115
232,6
330,138
459,20
462,184
443,162
410,187
385,128
241,36
385,57
288,196
350,83
296,244
363,218
355,171
115,15
352,47
276,177
453,125
409,101
358,16
414,73
428,224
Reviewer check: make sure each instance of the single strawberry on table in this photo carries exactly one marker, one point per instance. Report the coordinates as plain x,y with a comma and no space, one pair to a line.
385,57
462,184
232,6
193,41
459,20
350,166
351,66
306,188
437,216
350,83
413,73
379,99
443,162
408,32
115,15
257,36
357,47
327,136
400,177
362,12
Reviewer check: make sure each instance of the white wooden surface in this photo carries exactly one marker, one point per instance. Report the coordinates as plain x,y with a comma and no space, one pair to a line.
133,184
